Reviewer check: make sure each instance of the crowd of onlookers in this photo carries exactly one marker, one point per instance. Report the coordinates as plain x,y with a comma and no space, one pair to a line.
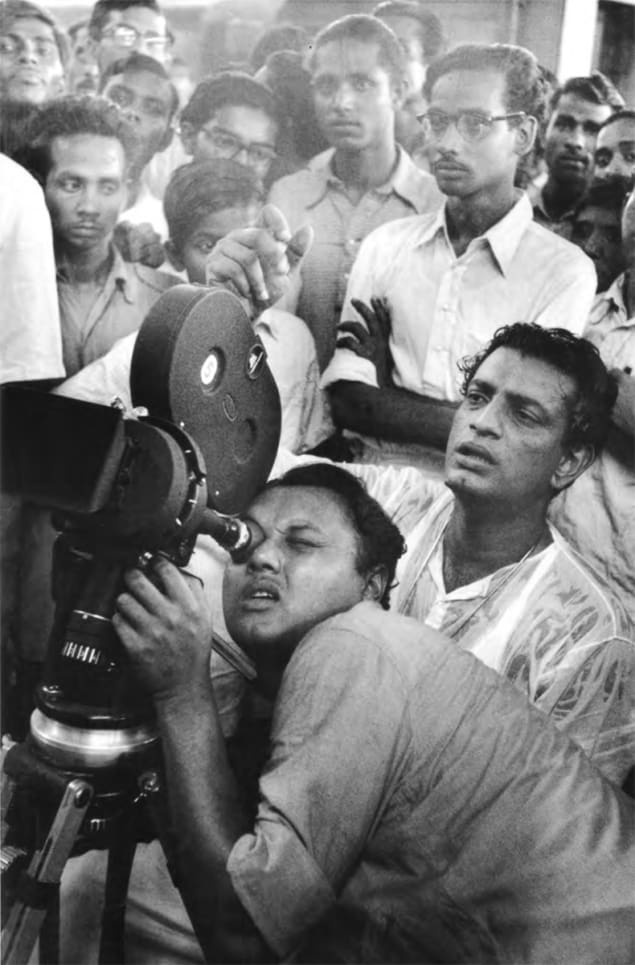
436,246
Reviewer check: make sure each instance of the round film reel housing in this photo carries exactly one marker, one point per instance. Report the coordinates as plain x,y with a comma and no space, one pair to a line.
198,363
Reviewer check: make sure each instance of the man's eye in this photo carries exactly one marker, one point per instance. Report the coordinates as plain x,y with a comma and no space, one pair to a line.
474,125
325,87
204,246
109,187
296,542
121,97
70,184
360,84
472,397
629,156
603,159
565,124
525,415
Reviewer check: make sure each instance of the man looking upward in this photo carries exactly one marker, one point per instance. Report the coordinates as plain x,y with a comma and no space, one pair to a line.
443,282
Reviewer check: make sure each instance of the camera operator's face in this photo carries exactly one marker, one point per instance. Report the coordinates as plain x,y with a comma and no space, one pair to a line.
85,189
302,569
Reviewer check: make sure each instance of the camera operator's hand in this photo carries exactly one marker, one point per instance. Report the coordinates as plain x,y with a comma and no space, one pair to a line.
166,630
258,263
370,341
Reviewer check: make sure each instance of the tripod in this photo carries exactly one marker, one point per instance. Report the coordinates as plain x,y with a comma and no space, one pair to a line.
66,811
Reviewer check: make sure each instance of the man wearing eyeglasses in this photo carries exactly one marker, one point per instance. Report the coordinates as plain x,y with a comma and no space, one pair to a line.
232,116
33,53
427,290
121,27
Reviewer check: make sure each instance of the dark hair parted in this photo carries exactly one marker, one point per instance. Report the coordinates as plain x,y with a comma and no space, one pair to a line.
596,88
366,30
525,88
203,187
590,415
101,11
71,115
233,87
135,63
430,29
12,10
380,541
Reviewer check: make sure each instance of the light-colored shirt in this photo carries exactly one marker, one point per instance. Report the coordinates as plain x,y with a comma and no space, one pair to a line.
597,513
547,623
445,307
316,196
30,324
305,419
121,304
412,784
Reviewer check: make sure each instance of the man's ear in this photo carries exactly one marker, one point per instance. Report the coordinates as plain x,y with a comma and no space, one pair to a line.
173,255
572,464
376,583
525,135
187,132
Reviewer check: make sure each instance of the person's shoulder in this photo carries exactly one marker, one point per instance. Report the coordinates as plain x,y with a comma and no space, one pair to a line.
407,232
367,637
582,588
556,250
304,183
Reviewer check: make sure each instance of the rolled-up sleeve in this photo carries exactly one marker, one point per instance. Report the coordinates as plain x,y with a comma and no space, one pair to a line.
279,884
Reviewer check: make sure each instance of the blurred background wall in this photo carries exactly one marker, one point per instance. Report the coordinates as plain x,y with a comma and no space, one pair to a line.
570,37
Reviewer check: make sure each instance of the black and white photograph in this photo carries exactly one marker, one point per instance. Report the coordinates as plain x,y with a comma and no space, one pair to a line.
317,482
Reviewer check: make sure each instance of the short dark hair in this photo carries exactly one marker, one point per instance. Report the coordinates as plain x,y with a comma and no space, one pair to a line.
524,83
623,114
12,10
575,357
203,187
234,87
138,62
366,30
612,194
103,8
380,541
280,36
73,114
430,29
596,88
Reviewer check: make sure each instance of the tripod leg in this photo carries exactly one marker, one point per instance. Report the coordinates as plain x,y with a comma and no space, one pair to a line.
120,858
40,883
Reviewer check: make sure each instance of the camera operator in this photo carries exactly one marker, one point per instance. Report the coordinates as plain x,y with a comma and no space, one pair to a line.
403,778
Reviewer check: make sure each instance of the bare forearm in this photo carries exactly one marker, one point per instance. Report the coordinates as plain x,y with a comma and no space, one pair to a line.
207,817
390,413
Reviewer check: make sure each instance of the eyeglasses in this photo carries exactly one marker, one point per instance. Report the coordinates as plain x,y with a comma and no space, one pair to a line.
471,125
229,146
124,35
12,45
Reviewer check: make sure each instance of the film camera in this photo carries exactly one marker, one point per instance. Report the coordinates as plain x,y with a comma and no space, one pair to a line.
122,490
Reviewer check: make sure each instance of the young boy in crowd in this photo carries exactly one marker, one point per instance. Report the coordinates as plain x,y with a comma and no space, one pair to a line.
203,202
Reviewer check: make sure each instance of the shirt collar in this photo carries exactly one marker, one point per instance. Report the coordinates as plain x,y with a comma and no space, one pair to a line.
122,275
612,302
405,180
502,238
